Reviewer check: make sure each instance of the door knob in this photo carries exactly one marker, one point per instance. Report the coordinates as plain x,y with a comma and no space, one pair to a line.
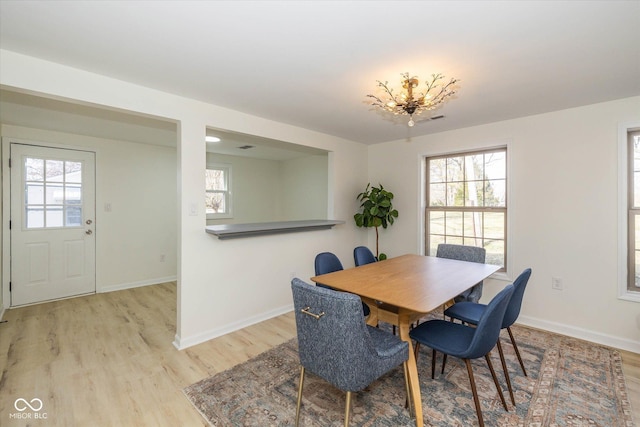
89,232
89,222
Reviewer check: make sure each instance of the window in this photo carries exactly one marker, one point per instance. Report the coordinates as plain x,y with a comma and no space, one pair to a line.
633,212
218,191
53,193
467,202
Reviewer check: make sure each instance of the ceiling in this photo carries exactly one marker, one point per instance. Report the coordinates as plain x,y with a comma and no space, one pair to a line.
312,63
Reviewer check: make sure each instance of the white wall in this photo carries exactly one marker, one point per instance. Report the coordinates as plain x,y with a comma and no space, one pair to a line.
563,218
304,184
139,182
255,189
222,285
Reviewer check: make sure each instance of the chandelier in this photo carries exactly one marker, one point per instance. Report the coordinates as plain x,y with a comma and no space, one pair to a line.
435,93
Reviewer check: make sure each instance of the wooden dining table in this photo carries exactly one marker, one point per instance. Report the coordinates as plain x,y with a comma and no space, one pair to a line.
401,290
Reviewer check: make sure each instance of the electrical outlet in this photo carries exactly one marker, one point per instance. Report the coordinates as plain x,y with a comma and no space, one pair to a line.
556,283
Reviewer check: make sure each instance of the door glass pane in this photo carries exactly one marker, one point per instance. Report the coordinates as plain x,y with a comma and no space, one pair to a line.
73,172
54,170
35,194
35,217
73,194
73,216
34,169
55,194
53,216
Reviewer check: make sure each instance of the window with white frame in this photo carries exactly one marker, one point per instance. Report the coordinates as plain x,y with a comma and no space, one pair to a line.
633,213
466,196
218,191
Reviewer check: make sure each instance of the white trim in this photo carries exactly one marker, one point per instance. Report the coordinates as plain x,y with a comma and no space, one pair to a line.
623,130
131,285
182,343
6,215
580,333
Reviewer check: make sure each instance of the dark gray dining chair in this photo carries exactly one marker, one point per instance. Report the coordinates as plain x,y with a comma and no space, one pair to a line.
464,253
336,344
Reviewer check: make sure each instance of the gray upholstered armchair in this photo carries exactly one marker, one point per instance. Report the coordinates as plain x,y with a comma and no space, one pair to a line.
336,344
464,253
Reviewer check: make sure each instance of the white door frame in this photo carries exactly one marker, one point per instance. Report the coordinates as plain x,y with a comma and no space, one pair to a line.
6,206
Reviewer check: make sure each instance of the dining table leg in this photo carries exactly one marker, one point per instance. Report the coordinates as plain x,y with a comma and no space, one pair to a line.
404,319
404,324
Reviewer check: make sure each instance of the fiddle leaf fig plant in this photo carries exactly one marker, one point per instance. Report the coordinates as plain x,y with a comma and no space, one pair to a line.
376,210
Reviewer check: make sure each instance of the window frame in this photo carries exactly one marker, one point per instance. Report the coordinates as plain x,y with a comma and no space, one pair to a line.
626,222
47,183
505,210
228,199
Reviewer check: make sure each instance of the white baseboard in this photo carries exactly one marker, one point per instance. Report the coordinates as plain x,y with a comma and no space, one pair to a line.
131,285
185,342
584,334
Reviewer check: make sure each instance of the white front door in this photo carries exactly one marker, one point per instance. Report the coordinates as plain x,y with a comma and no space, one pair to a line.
52,223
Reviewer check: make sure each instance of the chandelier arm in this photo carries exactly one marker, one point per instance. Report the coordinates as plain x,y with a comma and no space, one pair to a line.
443,93
389,91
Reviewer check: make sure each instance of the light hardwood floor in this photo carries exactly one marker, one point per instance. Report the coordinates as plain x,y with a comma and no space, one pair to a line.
108,360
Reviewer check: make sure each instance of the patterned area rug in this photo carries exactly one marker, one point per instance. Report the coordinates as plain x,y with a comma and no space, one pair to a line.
571,383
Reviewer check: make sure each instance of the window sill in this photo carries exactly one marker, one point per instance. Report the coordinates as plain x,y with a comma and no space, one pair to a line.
233,231
630,296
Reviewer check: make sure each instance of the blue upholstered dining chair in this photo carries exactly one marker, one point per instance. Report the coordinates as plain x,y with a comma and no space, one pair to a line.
327,262
336,344
464,253
469,312
467,342
362,255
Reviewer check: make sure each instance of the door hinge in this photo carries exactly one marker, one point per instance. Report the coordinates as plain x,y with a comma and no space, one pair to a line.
9,161
9,224
9,286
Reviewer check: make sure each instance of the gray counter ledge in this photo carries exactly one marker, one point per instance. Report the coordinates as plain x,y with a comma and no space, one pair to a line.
234,231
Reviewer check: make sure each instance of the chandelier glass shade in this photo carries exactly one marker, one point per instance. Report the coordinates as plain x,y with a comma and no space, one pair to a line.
415,100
